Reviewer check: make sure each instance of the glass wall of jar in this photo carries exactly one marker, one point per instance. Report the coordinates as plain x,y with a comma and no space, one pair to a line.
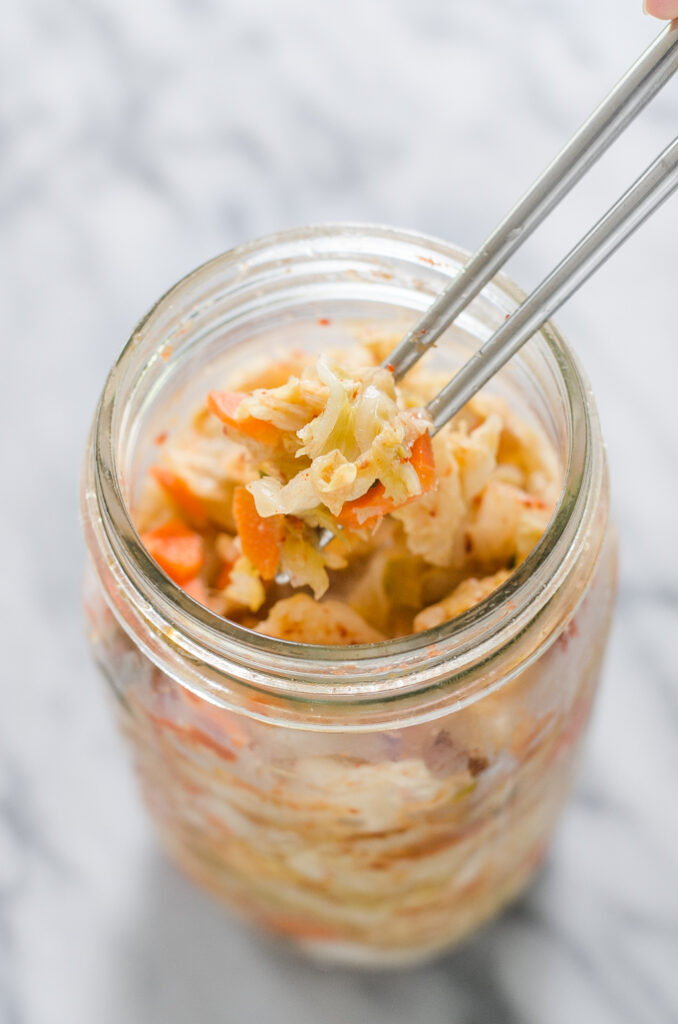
375,803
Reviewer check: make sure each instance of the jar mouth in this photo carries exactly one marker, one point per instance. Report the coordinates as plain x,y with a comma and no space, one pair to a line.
460,644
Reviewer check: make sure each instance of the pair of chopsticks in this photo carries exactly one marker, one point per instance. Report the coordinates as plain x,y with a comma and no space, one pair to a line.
638,86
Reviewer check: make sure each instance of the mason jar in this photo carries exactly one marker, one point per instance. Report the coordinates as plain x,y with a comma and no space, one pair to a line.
372,803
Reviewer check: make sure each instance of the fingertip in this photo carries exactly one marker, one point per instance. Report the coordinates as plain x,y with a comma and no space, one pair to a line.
663,9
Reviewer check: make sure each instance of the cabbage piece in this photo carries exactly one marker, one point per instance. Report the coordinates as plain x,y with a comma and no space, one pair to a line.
333,478
304,564
508,523
464,596
476,455
288,407
359,436
434,522
304,620
273,498
245,589
333,428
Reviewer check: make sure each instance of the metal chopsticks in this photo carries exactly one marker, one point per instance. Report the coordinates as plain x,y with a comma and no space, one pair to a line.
632,93
634,207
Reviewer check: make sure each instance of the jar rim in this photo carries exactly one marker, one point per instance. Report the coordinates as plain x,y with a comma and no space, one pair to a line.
319,672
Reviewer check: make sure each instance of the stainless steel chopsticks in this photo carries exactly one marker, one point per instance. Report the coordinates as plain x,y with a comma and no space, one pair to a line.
635,206
643,80
632,93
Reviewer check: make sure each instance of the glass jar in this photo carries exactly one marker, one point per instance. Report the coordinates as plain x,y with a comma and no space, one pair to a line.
375,803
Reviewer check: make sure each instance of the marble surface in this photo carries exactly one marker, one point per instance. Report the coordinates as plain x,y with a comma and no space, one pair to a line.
139,139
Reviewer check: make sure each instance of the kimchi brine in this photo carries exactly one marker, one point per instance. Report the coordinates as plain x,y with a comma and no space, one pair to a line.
354,660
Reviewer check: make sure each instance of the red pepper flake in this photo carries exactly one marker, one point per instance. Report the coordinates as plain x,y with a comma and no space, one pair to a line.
507,316
427,259
390,367
161,437
323,322
166,351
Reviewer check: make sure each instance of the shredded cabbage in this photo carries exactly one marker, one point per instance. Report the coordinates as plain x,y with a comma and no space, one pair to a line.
439,526
350,431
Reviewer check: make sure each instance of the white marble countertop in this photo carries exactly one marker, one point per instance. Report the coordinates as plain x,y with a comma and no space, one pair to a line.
138,139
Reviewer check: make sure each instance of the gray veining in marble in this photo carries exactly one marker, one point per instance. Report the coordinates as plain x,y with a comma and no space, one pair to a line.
139,138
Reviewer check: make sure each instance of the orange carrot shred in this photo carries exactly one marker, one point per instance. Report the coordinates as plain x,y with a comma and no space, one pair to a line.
224,404
187,501
177,549
260,537
366,510
423,462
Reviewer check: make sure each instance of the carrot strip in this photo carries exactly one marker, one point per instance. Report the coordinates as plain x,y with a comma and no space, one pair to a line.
177,549
371,506
224,404
367,509
423,462
186,500
260,537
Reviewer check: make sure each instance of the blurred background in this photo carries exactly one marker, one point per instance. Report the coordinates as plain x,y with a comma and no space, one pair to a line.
137,141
